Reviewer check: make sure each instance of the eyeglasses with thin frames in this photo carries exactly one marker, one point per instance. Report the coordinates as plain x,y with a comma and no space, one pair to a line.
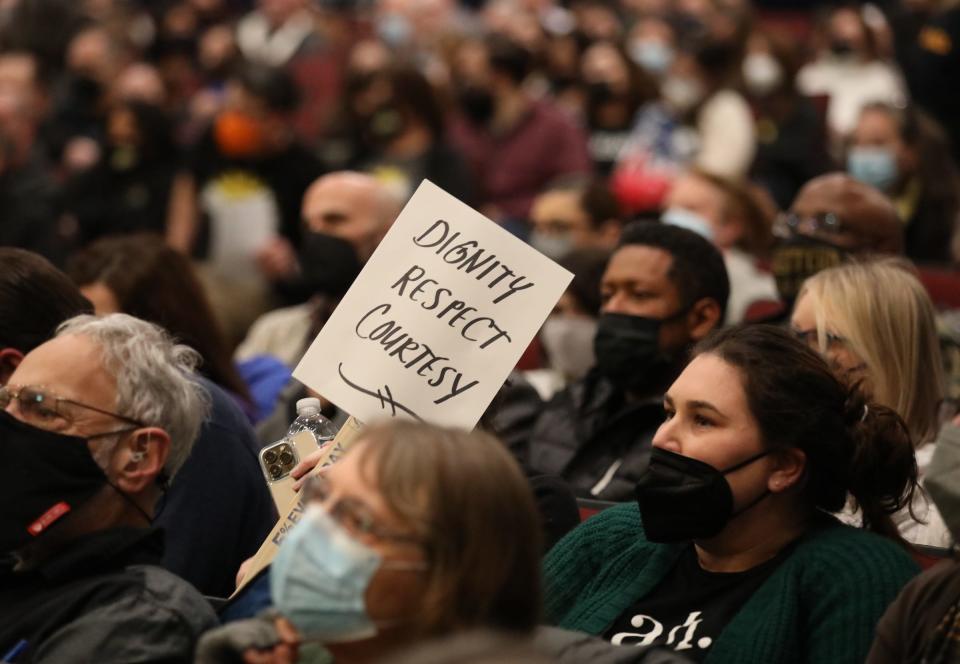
47,411
812,338
789,224
350,513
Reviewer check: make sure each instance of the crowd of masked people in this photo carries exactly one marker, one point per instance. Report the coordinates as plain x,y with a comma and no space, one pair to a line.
735,438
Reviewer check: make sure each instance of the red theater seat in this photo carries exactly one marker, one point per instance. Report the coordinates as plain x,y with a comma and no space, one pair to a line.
943,285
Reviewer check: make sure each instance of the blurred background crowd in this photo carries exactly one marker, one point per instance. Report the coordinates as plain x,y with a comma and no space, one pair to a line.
271,142
223,169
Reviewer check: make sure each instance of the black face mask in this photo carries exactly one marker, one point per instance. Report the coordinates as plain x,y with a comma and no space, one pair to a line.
628,351
44,476
83,91
328,264
683,499
601,92
477,105
385,125
797,258
841,47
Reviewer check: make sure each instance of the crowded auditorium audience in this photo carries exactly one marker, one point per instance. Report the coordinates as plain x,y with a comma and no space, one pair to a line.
734,438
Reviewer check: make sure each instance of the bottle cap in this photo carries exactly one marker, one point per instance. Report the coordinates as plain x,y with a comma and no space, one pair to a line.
310,403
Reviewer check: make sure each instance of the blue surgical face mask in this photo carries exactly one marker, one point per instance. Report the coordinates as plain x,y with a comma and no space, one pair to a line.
682,93
568,341
394,29
654,56
762,74
684,218
875,166
551,245
320,576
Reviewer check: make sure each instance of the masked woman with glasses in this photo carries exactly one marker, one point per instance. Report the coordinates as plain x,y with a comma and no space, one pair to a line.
730,553
418,532
875,325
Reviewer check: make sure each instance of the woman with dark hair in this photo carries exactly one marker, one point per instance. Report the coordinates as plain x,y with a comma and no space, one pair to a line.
141,276
127,191
729,553
701,121
394,129
904,153
614,88
849,69
791,136
700,90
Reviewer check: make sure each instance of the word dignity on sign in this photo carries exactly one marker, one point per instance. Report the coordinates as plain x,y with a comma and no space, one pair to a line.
437,319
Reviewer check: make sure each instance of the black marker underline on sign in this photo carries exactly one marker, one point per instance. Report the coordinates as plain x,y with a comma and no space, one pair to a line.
384,399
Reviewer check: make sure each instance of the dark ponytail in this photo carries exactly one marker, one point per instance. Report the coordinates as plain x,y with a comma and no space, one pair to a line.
852,447
882,474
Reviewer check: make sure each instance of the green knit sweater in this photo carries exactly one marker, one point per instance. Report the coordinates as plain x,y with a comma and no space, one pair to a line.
820,605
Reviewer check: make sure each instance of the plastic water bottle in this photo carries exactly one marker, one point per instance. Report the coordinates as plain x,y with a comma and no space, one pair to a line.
309,418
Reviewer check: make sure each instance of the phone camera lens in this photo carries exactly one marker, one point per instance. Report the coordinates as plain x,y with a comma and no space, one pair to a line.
276,471
286,458
270,456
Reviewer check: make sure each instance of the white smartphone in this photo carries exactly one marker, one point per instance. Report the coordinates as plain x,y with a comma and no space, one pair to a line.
278,459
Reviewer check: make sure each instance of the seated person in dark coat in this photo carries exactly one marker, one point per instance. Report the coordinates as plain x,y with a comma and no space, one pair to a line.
664,289
94,423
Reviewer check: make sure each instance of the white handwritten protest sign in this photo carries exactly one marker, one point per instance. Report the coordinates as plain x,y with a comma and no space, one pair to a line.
437,318
430,329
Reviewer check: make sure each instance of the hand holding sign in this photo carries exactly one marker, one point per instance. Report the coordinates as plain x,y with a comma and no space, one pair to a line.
437,319
328,455
430,329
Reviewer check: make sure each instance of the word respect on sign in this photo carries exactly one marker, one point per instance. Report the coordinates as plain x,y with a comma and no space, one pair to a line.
437,318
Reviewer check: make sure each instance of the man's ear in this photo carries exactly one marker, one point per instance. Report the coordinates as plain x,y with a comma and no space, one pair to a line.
10,359
139,459
703,318
609,233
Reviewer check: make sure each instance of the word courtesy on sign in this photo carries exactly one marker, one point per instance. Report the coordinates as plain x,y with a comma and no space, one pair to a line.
437,318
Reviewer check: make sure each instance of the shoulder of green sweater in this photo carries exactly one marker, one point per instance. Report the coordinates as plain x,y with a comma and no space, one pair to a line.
615,526
615,533
843,552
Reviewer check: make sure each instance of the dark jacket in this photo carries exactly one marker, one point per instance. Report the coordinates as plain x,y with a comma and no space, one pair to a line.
218,510
906,632
30,213
790,152
929,231
928,52
102,599
586,430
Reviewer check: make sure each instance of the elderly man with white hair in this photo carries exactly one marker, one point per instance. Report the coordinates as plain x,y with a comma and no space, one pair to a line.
95,422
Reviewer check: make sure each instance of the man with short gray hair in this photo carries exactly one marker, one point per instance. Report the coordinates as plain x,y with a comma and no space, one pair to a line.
94,423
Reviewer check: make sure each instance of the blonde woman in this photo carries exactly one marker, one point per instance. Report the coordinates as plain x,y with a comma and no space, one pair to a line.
876,326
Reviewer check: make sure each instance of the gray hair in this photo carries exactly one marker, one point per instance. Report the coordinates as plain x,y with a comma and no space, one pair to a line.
156,379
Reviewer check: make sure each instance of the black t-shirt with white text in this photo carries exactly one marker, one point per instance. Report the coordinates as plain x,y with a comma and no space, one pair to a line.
690,607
